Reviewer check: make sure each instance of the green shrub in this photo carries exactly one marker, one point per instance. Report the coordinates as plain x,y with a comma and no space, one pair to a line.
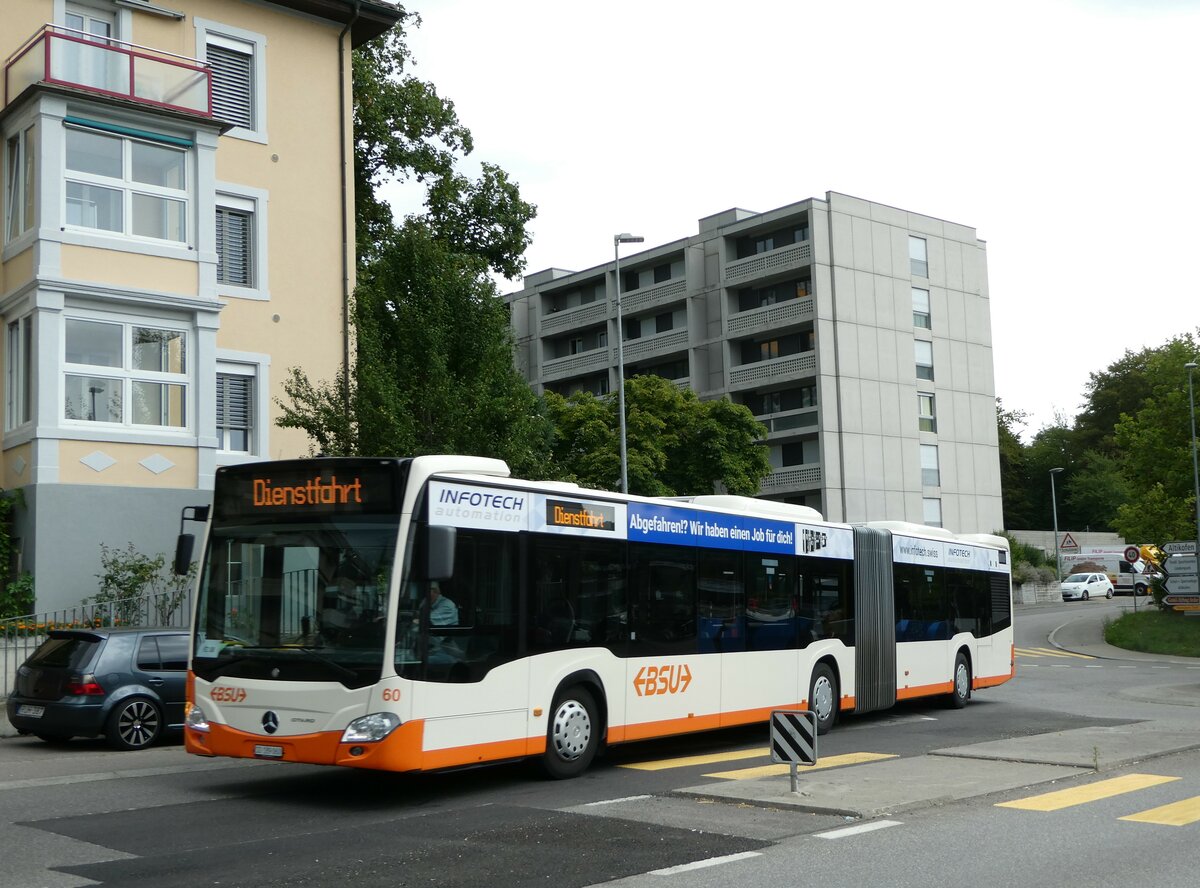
129,578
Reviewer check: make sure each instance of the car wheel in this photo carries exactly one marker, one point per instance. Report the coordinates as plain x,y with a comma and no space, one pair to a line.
573,734
135,724
1140,590
962,683
1108,592
1085,595
823,698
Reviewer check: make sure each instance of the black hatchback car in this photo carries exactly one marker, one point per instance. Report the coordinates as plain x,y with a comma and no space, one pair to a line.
128,684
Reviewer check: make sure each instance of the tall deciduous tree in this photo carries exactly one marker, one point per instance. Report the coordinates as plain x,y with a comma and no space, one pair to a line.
677,445
434,369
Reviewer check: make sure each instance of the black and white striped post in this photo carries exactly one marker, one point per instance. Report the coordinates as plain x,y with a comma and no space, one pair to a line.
793,739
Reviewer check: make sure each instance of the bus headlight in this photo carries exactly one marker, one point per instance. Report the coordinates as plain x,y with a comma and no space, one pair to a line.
371,728
195,719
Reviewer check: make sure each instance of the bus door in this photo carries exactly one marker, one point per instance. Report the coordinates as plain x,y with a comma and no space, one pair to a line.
669,684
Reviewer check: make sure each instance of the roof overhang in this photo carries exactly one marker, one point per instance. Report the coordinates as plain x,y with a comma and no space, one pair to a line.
370,18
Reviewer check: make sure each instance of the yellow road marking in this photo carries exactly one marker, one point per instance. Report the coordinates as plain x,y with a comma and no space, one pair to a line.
1091,792
664,764
1051,652
1177,814
833,761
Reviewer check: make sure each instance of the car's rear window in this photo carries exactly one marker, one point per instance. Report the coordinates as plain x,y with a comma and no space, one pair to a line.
65,653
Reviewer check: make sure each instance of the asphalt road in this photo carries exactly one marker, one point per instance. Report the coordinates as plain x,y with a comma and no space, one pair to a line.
83,815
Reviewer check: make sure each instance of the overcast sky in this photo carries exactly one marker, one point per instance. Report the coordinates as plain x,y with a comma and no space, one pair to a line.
1063,131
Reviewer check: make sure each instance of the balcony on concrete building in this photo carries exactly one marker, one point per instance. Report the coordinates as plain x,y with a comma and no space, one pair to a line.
775,370
572,318
791,478
773,317
792,257
63,57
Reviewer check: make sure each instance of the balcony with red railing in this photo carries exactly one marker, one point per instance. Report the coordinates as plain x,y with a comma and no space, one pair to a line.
65,57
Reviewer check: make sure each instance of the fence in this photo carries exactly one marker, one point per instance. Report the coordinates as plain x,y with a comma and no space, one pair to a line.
20,636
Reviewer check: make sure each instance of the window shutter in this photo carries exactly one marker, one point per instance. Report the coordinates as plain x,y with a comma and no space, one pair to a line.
235,402
232,85
235,261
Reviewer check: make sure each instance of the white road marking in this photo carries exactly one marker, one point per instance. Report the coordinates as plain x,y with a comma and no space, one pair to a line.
701,864
857,830
636,798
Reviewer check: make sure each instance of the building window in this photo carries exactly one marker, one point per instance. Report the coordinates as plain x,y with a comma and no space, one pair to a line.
932,511
19,382
235,412
235,244
918,257
576,346
930,476
662,273
926,413
633,328
19,182
126,186
237,58
127,374
924,354
633,280
921,308
662,323
232,63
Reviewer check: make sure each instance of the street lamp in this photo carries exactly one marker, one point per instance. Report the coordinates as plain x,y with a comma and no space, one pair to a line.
1054,507
1191,365
618,239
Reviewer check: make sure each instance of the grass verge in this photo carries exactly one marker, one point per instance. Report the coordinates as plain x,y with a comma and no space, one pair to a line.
1155,632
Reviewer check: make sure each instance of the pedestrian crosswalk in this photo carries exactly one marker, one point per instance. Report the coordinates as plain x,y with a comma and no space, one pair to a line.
1054,653
760,770
1178,813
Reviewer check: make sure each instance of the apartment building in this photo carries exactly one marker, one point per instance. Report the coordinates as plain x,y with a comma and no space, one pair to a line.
177,234
858,333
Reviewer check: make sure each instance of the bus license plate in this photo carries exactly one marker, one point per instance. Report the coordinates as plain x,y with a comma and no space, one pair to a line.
31,711
269,752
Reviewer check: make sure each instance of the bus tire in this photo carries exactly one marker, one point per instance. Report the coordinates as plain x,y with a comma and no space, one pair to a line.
823,697
962,683
573,734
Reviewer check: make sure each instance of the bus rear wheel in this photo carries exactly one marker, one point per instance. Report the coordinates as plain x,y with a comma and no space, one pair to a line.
572,735
823,697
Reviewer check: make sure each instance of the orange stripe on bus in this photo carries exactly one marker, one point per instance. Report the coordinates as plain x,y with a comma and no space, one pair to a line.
941,687
989,681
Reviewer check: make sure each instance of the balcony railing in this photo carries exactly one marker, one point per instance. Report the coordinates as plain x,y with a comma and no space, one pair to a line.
66,57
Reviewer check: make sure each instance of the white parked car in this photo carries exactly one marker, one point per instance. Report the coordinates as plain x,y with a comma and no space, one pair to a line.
1083,586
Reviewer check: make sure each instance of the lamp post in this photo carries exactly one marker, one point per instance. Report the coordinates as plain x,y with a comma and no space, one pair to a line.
618,239
1054,507
1191,365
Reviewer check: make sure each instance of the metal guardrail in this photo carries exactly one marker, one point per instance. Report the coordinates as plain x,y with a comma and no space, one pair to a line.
20,636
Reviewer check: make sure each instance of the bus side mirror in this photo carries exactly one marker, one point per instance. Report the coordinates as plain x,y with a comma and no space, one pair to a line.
440,553
183,553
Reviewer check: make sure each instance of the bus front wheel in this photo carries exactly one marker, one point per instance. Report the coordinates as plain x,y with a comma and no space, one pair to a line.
823,697
572,735
962,681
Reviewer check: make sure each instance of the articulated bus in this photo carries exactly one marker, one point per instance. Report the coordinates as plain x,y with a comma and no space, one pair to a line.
431,613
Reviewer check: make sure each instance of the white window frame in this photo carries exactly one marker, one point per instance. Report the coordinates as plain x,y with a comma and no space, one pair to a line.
128,187
921,314
931,475
127,375
18,377
931,511
926,422
20,181
253,201
257,366
255,45
917,357
918,256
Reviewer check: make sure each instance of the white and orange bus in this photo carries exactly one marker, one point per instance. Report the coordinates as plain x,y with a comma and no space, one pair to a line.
428,613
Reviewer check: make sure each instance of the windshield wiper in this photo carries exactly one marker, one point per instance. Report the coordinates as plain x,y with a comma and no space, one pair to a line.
321,658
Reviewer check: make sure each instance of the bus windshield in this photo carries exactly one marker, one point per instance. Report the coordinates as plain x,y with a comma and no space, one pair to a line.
302,601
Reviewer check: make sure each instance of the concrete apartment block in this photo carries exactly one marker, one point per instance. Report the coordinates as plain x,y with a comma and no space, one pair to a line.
858,333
